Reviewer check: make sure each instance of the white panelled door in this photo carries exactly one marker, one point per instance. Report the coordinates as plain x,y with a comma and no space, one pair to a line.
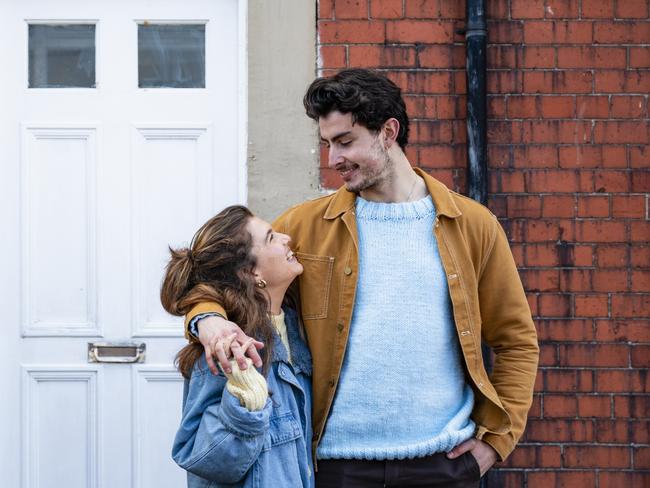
121,132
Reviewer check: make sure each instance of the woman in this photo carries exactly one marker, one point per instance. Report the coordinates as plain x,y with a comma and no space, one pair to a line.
226,436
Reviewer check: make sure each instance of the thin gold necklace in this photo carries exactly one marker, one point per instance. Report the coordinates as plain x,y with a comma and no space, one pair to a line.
408,199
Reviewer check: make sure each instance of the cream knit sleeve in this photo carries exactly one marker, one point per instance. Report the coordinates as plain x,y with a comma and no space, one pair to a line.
248,385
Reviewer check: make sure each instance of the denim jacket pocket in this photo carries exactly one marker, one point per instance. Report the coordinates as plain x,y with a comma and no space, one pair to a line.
283,428
280,461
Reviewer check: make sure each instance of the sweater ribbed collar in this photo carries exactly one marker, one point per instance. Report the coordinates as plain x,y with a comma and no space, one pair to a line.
343,200
417,210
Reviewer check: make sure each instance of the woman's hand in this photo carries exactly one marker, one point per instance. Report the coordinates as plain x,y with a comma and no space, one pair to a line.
221,339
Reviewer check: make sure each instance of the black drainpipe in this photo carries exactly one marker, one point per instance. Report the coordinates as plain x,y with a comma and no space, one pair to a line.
477,174
476,45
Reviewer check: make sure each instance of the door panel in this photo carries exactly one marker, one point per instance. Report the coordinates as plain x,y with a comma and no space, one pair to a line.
45,461
58,198
168,160
154,426
99,177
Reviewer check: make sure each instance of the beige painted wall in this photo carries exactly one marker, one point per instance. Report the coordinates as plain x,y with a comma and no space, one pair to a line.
282,141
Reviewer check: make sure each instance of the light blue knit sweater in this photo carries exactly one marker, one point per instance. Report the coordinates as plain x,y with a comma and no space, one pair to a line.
402,391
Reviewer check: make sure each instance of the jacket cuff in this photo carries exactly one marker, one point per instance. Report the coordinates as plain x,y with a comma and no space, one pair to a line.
502,444
193,328
203,307
240,420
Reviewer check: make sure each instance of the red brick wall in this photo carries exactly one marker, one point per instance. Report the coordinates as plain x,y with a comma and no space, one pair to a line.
568,128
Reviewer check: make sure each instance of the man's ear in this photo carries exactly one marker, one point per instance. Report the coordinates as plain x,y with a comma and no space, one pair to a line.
390,131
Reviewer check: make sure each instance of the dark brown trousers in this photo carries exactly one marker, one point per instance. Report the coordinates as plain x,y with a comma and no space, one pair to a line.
431,471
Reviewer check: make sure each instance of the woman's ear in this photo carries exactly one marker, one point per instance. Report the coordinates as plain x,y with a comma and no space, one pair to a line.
258,278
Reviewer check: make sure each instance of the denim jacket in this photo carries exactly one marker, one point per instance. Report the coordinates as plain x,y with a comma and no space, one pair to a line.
220,443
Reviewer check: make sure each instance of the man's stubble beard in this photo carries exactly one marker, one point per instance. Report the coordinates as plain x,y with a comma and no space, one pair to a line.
378,175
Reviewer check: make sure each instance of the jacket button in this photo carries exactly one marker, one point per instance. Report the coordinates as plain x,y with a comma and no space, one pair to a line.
347,271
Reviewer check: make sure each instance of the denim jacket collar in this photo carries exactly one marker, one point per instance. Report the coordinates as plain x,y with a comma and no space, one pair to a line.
300,355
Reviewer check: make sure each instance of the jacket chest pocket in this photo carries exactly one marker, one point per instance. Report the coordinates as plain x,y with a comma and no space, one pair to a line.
282,429
315,284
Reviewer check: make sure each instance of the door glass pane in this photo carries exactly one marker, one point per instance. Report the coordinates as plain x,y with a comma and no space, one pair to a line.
171,56
61,56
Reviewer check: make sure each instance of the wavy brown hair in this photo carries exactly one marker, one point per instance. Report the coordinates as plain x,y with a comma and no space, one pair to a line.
218,266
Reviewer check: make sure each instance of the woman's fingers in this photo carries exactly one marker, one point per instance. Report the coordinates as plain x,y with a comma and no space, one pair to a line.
238,354
222,357
222,339
222,352
227,343
246,343
252,353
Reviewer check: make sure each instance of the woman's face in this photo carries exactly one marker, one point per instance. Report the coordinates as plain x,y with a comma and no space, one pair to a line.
276,263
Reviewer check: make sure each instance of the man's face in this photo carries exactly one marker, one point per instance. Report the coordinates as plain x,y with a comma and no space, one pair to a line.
355,152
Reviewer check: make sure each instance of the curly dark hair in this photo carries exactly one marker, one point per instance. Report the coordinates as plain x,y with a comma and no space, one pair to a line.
369,96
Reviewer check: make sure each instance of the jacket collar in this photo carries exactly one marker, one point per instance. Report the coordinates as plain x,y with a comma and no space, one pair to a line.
300,355
343,200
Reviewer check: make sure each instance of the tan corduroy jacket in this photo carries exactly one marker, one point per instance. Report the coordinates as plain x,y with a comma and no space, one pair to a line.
487,297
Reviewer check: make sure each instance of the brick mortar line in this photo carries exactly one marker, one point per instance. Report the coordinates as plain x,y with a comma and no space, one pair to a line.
569,368
580,444
418,69
492,43
551,342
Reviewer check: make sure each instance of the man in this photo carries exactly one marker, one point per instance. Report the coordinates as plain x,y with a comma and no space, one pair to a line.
402,278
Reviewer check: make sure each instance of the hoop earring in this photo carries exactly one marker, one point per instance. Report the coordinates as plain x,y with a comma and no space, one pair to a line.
261,284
